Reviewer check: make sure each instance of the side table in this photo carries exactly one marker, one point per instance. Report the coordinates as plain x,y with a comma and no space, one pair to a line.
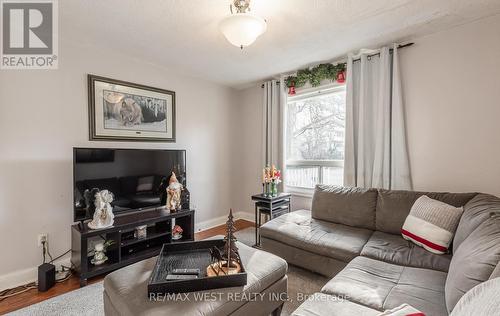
273,206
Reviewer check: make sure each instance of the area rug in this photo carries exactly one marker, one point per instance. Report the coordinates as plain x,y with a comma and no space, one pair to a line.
88,300
84,301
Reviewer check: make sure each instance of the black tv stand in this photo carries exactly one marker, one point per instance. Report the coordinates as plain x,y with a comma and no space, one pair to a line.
125,251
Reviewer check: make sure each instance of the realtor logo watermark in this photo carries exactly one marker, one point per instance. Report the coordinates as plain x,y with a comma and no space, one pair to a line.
29,34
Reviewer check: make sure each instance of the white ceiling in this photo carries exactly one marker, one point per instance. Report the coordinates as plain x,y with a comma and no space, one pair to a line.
183,35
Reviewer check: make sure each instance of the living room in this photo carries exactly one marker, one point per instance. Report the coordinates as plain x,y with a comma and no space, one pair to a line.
326,127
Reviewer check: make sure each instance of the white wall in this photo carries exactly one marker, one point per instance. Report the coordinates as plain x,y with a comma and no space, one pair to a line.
44,114
247,149
452,94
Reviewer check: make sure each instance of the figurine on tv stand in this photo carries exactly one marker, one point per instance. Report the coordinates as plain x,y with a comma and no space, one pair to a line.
174,194
103,215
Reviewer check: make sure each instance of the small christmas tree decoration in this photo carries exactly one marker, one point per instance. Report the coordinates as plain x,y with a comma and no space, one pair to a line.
231,254
229,262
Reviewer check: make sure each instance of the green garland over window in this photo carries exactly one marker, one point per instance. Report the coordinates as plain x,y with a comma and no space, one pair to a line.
315,75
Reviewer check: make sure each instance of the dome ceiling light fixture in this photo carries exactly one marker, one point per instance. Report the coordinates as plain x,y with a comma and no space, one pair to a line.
242,28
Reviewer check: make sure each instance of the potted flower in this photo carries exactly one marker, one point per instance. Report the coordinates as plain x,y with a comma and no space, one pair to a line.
177,232
271,177
275,180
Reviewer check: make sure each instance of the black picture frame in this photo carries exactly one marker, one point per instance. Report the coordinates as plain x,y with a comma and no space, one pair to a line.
132,135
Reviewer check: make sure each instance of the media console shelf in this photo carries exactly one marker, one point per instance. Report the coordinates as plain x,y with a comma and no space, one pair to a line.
126,249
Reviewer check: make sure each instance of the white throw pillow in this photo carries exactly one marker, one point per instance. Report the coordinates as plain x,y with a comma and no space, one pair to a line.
431,224
402,310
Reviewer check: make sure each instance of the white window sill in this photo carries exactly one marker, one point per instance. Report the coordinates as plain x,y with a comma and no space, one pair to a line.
300,192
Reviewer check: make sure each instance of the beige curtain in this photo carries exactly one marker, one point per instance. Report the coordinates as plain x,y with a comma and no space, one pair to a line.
273,106
376,152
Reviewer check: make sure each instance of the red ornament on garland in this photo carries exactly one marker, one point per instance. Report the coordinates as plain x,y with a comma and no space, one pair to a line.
341,77
291,90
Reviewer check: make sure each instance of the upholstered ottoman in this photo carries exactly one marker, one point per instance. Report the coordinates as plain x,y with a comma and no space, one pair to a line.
125,291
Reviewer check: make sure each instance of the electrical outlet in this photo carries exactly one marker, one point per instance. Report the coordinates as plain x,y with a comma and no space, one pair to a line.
42,238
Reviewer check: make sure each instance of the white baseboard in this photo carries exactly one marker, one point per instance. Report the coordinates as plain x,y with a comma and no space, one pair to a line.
25,276
246,216
28,275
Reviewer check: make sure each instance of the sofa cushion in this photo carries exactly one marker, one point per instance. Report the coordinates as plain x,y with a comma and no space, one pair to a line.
381,285
345,205
303,258
393,206
324,304
476,211
482,300
394,249
333,240
474,261
431,224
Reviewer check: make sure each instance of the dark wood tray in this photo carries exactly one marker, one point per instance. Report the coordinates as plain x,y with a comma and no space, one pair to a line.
190,255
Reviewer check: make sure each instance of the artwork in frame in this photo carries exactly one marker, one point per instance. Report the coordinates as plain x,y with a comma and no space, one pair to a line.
125,111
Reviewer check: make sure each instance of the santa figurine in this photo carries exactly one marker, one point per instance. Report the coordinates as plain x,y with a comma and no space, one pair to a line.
174,194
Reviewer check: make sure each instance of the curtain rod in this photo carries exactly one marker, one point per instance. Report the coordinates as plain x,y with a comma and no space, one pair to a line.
371,55
277,83
390,51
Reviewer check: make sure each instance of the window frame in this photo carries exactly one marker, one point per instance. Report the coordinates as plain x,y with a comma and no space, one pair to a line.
305,94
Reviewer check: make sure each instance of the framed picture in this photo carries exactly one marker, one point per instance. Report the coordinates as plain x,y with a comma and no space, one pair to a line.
125,111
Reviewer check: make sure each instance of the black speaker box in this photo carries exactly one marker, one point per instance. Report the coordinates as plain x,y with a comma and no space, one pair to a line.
46,276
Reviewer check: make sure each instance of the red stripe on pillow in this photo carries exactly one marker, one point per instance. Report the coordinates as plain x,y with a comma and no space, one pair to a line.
416,314
424,241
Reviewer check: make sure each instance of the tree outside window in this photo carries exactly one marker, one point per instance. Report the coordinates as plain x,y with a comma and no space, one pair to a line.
315,138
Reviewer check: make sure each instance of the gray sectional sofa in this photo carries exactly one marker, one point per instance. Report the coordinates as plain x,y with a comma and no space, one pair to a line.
353,235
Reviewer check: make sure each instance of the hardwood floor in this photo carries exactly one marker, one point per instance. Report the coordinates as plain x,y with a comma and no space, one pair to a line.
221,230
33,296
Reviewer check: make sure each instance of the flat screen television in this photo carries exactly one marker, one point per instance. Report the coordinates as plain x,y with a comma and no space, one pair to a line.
136,177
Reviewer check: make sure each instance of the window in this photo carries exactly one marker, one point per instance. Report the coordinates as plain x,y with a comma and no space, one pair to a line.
315,137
